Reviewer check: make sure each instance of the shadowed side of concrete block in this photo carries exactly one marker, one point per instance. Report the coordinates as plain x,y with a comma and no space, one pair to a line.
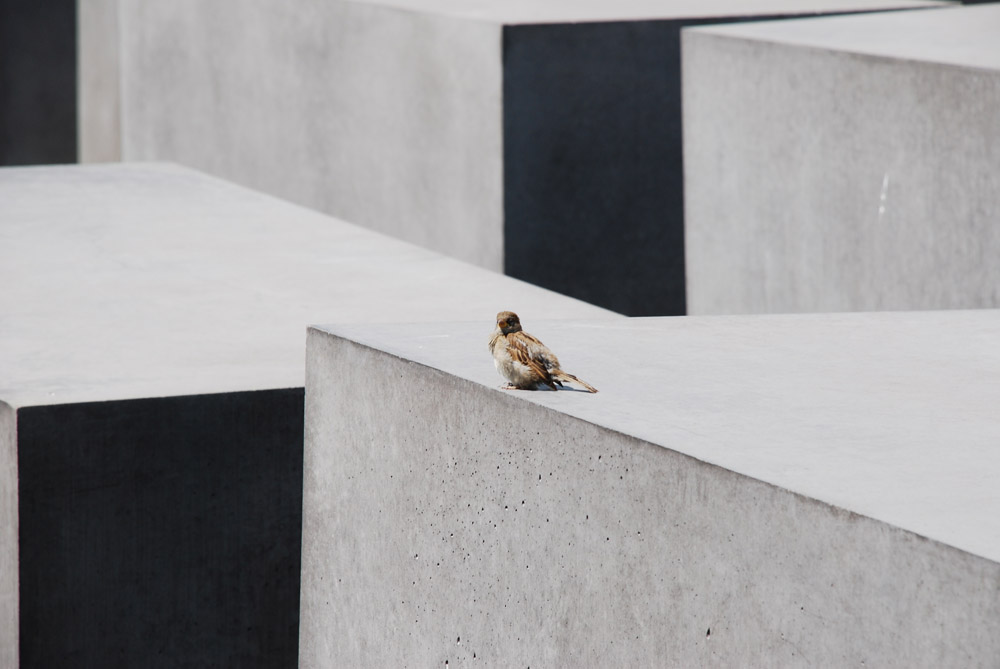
593,181
163,532
447,521
38,82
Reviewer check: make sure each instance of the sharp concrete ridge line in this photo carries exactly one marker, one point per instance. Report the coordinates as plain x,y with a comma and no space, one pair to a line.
541,139
518,12
152,337
843,164
743,490
958,36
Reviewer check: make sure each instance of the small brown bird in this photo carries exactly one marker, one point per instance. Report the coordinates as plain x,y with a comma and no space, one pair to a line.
523,360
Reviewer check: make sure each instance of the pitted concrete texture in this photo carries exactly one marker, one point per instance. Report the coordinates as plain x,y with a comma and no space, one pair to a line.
150,503
813,490
128,281
843,164
541,139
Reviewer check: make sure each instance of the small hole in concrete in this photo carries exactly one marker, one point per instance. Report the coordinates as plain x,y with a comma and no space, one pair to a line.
708,633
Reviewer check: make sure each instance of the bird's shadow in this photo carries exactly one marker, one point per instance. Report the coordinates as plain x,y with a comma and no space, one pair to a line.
546,389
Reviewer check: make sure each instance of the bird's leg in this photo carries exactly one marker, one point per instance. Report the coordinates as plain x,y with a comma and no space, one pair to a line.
509,386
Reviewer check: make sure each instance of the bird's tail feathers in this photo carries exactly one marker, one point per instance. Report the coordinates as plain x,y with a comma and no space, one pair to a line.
564,376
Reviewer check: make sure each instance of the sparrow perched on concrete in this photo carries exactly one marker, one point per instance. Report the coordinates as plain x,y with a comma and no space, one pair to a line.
523,360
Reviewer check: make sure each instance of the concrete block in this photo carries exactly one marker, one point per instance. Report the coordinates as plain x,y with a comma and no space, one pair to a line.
807,490
538,138
152,330
845,164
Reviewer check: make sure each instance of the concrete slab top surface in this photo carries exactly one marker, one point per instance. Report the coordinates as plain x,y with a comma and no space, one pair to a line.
152,280
894,416
965,36
570,11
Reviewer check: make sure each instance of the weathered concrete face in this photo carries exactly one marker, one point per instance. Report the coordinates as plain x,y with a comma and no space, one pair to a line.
537,138
9,646
152,329
99,78
843,164
780,490
382,117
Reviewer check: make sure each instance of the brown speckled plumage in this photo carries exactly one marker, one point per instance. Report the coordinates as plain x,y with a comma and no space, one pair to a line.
524,360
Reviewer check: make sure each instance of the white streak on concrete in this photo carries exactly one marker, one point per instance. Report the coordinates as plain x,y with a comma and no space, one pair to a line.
883,196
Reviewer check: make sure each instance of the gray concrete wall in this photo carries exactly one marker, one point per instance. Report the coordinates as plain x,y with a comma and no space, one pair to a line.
9,646
534,138
844,164
152,326
98,73
741,492
386,118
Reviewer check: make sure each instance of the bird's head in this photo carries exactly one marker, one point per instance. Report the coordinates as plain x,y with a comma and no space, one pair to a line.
508,322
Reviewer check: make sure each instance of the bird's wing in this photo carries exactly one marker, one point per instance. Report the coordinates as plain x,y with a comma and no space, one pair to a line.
529,351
